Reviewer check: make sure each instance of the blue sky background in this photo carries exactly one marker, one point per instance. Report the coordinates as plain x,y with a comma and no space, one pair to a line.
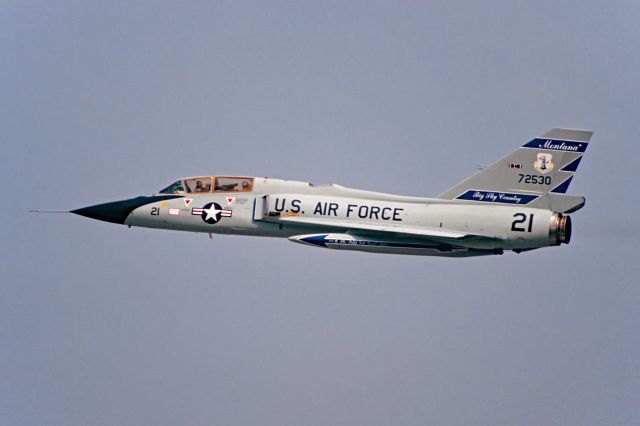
103,325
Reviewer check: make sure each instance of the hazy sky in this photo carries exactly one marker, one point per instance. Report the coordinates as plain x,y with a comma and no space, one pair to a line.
105,325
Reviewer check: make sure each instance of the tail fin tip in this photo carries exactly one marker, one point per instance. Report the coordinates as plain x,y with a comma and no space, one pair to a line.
574,135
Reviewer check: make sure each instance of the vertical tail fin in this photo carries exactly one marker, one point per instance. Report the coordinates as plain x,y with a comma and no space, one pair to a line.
536,174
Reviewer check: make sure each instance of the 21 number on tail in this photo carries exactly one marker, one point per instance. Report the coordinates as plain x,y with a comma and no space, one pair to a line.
522,218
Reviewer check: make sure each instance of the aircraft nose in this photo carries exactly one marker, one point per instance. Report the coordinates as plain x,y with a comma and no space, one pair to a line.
117,211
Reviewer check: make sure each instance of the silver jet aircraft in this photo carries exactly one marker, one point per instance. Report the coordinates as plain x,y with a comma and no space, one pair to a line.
518,203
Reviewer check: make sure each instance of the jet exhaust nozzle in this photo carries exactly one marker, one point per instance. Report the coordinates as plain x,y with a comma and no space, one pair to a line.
560,229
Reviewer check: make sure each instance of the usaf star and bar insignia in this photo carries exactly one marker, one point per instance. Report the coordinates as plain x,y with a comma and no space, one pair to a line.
211,213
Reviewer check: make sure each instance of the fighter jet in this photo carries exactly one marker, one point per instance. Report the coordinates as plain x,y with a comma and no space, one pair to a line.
518,203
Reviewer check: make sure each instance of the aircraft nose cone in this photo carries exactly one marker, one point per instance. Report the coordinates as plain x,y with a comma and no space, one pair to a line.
117,211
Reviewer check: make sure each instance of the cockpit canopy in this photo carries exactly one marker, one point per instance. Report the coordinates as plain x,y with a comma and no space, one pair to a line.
207,184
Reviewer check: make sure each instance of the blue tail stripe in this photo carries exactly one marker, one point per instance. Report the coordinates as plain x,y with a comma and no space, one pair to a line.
557,145
562,188
497,197
573,166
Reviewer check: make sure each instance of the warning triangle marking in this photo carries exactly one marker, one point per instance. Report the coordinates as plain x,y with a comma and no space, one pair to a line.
230,200
187,201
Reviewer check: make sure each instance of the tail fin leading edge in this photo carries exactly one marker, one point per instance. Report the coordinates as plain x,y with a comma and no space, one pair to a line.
537,174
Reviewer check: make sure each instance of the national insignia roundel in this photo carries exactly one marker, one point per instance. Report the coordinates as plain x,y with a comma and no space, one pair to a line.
211,213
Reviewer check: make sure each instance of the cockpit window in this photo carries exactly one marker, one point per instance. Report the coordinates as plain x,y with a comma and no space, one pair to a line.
174,188
198,184
233,184
204,184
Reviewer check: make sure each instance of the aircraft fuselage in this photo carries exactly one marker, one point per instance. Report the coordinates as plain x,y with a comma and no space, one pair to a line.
333,216
517,203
